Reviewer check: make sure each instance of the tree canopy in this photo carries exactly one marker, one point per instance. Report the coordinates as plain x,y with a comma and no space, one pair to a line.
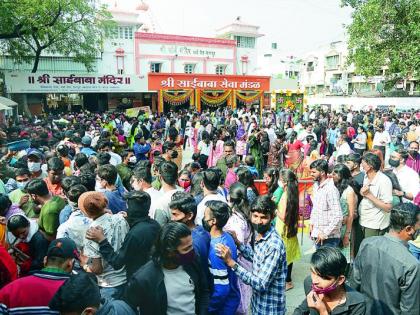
29,28
385,33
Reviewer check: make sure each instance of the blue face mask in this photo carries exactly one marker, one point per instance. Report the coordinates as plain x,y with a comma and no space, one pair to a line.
21,185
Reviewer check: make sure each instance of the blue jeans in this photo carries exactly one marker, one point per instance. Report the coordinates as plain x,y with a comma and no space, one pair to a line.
329,242
113,293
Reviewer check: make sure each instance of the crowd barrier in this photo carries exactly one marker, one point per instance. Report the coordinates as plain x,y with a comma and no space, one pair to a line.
305,202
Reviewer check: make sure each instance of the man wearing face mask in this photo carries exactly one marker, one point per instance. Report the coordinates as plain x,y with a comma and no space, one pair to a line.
18,196
386,271
407,177
413,159
225,297
173,282
32,294
268,257
137,245
183,210
34,162
125,169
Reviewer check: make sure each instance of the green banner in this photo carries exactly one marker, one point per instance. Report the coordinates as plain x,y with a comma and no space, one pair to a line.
292,101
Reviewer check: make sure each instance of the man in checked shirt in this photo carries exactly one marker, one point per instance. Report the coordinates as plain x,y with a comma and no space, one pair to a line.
268,256
326,215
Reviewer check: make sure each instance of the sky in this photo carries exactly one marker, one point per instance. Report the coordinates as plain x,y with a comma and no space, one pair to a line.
298,26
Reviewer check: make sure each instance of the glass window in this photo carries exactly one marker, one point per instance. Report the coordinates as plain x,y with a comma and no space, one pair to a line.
189,68
273,45
245,42
155,67
130,33
125,32
121,32
310,66
220,69
332,62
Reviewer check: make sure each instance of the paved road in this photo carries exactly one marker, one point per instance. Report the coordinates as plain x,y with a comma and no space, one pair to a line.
300,269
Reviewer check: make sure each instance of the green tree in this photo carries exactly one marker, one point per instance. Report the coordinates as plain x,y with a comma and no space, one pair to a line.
30,28
385,33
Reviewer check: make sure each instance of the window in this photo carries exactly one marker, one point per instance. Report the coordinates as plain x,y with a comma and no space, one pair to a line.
189,68
273,45
120,71
245,42
332,62
120,32
220,69
310,66
155,67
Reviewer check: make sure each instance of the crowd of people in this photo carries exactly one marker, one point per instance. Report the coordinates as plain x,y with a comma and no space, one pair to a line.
108,214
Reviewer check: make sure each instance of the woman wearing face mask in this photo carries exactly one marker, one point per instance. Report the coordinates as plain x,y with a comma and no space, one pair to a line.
184,180
326,290
287,220
172,279
239,224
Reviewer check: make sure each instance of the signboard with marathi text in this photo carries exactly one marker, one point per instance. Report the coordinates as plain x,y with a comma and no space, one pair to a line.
19,82
181,81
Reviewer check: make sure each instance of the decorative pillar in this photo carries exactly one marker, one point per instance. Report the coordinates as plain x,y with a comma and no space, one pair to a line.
192,98
198,100
233,99
160,101
261,104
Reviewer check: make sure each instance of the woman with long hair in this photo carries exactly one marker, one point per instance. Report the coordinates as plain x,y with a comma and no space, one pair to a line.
348,200
240,224
287,220
245,177
271,177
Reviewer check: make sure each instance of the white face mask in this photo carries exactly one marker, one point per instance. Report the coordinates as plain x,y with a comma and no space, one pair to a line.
34,166
21,185
132,159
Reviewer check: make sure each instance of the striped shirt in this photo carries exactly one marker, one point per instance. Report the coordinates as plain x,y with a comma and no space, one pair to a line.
268,275
326,215
31,294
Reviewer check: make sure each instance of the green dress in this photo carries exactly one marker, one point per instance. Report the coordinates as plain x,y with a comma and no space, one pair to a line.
291,243
345,210
256,152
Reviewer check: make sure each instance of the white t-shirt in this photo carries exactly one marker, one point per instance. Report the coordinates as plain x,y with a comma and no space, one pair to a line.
154,196
409,181
202,206
381,137
204,148
371,216
115,229
162,212
179,291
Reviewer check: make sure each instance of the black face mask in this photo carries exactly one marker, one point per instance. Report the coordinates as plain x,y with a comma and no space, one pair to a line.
413,153
174,154
394,163
261,228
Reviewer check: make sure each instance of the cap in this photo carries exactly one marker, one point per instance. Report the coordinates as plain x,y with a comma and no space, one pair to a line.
92,202
86,140
37,153
64,248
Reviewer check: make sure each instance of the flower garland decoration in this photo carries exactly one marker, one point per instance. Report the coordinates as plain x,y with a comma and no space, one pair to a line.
248,99
290,105
177,99
214,99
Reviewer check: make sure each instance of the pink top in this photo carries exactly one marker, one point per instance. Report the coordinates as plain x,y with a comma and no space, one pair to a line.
414,163
231,178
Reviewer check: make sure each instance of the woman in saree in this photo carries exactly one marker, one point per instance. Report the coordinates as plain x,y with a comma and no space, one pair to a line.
176,138
294,152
